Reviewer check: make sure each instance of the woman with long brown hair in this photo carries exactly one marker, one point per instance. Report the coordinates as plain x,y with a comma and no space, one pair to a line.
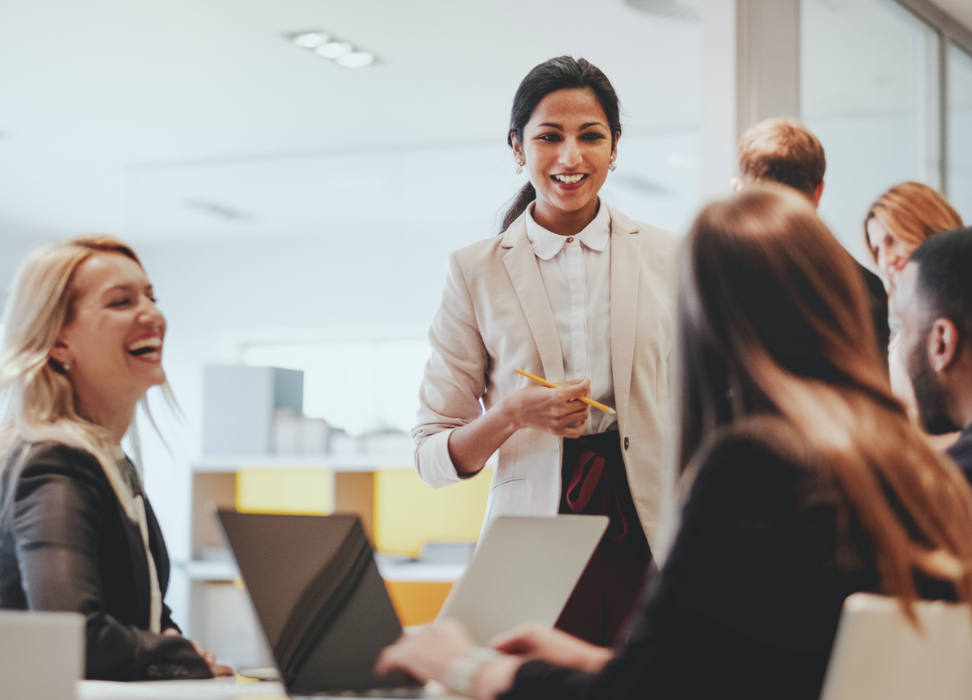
802,480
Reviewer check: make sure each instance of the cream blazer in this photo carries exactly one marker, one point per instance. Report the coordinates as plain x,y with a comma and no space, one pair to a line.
495,318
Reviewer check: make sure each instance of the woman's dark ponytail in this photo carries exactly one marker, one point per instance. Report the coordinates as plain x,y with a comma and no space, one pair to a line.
523,198
562,73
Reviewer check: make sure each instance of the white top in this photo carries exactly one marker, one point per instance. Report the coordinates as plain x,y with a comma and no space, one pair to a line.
141,519
576,272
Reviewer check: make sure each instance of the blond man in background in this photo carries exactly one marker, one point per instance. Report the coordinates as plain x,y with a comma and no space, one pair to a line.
785,151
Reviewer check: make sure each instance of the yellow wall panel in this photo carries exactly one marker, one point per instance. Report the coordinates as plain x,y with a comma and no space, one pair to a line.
408,512
417,602
295,491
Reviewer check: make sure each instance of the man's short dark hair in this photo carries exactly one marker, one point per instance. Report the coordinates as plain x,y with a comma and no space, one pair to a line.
945,277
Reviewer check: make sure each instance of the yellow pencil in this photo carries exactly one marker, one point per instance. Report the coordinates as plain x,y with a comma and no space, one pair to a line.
551,385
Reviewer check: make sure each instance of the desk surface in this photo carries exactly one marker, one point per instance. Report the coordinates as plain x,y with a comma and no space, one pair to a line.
217,689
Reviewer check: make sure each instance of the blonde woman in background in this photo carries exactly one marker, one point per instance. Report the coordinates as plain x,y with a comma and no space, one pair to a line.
83,344
897,223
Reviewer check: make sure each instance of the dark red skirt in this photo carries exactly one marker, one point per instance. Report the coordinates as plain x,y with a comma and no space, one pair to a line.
594,482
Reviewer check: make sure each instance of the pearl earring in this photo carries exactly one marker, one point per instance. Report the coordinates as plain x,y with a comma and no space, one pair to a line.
519,168
612,166
67,366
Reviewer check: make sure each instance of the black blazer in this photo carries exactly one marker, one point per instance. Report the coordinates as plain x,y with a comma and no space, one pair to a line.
748,602
67,545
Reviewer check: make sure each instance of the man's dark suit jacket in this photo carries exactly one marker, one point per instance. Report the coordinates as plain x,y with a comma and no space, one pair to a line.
748,602
67,545
961,452
878,298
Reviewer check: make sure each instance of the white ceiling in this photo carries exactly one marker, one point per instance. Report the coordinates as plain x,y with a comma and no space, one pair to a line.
96,93
155,119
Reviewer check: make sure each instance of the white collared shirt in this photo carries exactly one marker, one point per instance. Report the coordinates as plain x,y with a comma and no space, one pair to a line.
576,272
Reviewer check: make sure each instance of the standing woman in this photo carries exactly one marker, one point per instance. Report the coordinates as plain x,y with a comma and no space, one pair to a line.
577,293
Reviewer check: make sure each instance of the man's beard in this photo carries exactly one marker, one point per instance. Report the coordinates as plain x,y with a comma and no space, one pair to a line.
930,397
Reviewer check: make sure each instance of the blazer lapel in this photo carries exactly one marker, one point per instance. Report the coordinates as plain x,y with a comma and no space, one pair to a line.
625,276
521,264
157,545
140,572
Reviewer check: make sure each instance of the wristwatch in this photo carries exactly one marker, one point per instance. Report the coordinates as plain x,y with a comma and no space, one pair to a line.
461,671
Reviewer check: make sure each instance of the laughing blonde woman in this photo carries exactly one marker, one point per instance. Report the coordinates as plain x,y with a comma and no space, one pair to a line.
83,344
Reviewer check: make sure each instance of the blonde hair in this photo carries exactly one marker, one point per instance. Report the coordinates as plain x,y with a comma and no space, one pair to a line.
783,151
38,401
911,212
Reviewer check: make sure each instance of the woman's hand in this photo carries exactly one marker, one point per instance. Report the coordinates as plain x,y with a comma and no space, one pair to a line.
216,669
427,654
556,411
535,641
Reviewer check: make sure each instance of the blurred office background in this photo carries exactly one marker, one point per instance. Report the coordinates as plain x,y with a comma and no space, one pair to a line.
294,200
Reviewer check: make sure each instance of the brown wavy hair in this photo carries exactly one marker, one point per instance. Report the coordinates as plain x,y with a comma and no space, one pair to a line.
772,312
911,212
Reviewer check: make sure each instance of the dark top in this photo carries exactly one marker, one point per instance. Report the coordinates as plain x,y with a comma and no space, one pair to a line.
67,545
878,297
961,452
594,482
748,602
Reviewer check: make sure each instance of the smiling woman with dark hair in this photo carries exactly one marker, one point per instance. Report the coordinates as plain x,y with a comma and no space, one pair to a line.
803,481
83,344
579,294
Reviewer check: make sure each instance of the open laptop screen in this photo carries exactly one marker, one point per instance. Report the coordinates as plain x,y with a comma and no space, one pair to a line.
317,593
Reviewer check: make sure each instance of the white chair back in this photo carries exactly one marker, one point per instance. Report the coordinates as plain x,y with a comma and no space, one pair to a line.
878,653
41,655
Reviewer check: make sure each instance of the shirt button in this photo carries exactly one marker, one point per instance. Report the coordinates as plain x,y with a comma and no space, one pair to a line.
626,443
570,240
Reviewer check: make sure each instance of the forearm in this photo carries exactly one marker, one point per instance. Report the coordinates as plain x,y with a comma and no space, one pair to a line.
471,445
62,579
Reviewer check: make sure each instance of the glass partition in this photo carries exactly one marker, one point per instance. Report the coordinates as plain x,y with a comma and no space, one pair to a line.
960,131
869,90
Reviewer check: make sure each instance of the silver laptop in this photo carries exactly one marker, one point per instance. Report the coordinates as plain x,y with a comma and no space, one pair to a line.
41,654
524,570
879,655
326,613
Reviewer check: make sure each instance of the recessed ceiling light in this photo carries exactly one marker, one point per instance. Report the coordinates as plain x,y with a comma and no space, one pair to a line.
343,53
356,59
334,49
309,40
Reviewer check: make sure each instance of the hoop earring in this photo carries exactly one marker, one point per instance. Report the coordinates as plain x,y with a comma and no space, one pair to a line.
612,166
